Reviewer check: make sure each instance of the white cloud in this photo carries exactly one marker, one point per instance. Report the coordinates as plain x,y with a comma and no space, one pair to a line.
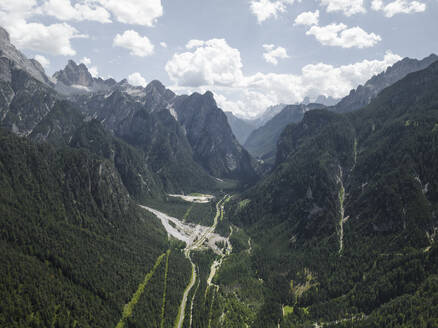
43,61
314,80
307,18
194,44
210,62
163,44
348,7
137,12
272,54
136,79
377,4
53,39
138,45
18,7
398,7
86,61
215,66
93,71
264,9
342,36
84,10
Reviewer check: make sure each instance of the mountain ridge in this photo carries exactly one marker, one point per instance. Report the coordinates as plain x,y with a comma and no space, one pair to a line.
344,221
263,146
262,142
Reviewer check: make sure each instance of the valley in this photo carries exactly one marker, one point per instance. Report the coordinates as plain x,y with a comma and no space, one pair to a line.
196,238
131,204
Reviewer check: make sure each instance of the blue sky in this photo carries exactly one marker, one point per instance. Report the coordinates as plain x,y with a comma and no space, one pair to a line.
250,53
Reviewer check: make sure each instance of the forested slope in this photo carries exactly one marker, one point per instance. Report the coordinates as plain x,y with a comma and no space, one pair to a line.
344,227
74,244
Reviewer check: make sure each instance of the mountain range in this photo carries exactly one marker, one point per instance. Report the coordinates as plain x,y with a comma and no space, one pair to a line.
346,221
129,206
261,142
181,152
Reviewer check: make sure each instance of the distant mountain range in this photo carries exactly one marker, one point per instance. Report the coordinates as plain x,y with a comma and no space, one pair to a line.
334,225
182,152
364,94
262,141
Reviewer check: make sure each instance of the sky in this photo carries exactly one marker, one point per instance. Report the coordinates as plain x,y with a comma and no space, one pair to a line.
250,53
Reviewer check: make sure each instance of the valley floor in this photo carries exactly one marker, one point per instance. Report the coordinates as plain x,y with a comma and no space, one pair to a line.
196,238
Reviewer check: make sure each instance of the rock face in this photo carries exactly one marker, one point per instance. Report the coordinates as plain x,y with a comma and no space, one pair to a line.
74,74
192,130
76,79
262,142
184,141
213,143
24,100
362,95
159,155
18,61
140,117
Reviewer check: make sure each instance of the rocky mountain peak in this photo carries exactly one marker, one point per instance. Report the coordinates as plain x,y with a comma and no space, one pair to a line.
208,95
202,101
156,85
156,93
74,74
76,79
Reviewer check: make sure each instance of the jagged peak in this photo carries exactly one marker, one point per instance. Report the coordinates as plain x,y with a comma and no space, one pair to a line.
74,74
72,65
71,62
157,86
207,97
432,56
407,61
210,98
209,94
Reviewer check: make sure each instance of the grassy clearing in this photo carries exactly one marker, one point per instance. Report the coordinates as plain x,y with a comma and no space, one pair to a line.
163,307
129,307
